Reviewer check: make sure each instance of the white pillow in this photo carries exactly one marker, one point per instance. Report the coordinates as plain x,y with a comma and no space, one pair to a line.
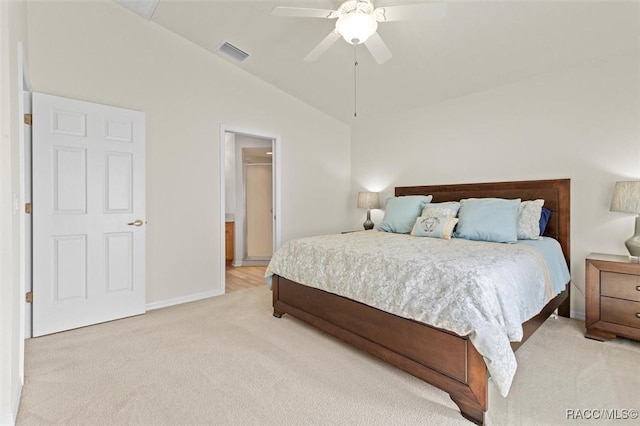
529,220
446,209
434,227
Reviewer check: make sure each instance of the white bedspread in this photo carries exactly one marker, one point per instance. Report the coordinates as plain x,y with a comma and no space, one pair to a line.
476,289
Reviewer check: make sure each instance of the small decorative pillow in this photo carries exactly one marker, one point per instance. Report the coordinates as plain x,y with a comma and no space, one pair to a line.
529,220
488,219
448,209
434,227
544,219
401,213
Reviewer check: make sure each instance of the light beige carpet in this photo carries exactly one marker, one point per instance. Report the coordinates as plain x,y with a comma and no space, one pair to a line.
228,361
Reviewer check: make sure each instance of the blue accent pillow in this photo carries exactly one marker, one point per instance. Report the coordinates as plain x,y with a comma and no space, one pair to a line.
544,219
488,219
401,213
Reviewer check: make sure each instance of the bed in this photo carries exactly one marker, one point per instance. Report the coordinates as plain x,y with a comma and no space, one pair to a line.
439,357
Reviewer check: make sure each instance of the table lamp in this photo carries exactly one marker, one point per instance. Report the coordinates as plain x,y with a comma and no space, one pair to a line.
368,200
626,199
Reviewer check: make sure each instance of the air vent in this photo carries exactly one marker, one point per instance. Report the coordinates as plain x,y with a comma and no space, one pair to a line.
231,50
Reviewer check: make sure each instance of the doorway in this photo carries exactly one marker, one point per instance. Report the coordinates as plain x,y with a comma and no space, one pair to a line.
249,206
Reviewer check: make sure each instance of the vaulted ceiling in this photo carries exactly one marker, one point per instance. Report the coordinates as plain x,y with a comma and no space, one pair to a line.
478,45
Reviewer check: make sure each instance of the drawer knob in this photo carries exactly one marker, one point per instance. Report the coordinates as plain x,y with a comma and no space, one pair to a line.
638,287
637,314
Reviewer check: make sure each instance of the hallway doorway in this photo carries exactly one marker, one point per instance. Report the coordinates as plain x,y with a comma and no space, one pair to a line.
249,203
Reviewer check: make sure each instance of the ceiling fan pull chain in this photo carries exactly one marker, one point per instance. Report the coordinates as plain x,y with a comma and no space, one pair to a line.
355,81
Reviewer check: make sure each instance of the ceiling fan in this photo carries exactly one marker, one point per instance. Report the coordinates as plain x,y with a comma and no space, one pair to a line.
357,22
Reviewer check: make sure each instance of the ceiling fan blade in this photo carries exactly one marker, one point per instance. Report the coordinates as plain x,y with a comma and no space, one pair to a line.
322,47
301,12
378,49
435,10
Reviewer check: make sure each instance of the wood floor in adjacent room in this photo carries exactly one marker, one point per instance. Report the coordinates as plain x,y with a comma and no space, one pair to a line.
244,277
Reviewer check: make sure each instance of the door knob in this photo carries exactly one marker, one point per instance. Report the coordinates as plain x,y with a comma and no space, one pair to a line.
136,223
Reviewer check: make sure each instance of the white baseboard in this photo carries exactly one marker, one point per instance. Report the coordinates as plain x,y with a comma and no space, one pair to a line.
579,315
8,418
250,262
255,262
184,299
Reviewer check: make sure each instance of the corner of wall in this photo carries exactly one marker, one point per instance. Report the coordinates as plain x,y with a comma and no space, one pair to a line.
9,417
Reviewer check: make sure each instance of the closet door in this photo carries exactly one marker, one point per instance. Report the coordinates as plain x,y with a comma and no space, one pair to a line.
259,211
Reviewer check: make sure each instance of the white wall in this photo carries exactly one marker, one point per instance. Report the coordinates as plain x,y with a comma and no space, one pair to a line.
12,30
100,52
581,123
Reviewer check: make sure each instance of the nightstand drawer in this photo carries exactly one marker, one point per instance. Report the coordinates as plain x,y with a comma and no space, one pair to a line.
620,311
621,286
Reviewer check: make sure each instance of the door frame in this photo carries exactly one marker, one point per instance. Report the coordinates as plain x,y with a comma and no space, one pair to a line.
24,87
276,167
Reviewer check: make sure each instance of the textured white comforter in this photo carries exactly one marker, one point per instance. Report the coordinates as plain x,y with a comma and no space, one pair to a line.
476,289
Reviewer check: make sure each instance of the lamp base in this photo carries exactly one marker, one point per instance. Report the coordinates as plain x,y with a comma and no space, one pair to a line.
368,224
633,243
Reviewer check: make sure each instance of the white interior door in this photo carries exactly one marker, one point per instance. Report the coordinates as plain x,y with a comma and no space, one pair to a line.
88,213
259,211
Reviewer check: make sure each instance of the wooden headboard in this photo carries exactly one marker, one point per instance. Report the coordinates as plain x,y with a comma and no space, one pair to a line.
555,193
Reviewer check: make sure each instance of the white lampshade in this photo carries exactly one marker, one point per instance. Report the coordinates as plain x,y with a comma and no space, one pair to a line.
626,197
368,200
356,27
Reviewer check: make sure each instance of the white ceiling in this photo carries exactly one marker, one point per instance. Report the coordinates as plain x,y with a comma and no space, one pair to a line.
477,46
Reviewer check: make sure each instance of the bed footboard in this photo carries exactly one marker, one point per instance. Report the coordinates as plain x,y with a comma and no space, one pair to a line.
440,358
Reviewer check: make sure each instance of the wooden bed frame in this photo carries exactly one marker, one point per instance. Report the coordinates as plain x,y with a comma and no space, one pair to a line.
439,357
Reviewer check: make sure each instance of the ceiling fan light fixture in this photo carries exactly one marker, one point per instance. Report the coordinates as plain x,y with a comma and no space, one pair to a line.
356,27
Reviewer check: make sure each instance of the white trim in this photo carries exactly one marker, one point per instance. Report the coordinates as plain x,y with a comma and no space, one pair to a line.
223,211
183,299
26,80
6,419
277,169
21,214
277,147
579,315
254,262
17,395
9,418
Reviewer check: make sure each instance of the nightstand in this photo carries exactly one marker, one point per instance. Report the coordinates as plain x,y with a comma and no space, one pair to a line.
612,297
